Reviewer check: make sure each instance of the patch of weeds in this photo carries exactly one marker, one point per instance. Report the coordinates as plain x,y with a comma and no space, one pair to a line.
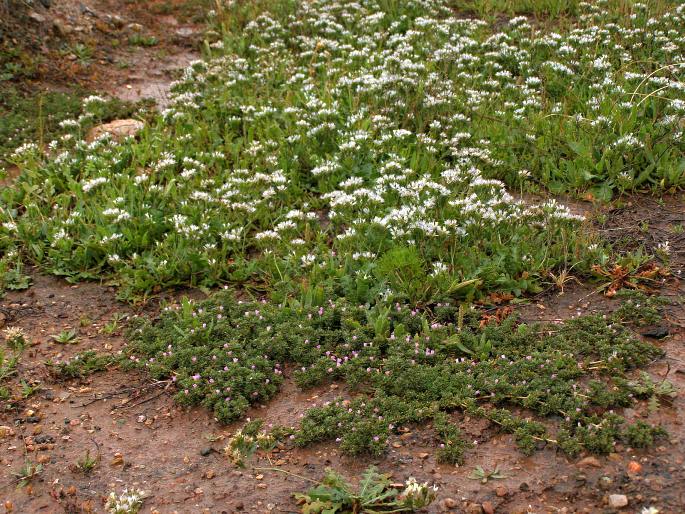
488,8
12,276
414,367
27,473
8,365
655,392
17,62
65,337
638,308
635,271
453,445
15,338
113,325
142,40
375,493
87,463
29,389
16,341
84,364
412,125
245,442
351,186
82,52
32,117
484,476
642,435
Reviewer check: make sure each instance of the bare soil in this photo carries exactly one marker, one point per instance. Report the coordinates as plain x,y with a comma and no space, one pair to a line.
127,48
143,440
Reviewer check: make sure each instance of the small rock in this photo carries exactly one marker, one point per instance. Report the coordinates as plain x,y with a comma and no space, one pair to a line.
634,467
6,431
617,501
206,451
118,129
185,32
116,21
424,455
450,503
43,439
605,482
524,487
473,508
37,17
210,474
589,461
615,457
488,508
33,419
656,332
46,3
501,491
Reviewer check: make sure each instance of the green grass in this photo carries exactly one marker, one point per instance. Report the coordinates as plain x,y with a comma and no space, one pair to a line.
487,8
142,40
84,364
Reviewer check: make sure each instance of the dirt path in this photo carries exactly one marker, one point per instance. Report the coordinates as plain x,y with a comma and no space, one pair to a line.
131,50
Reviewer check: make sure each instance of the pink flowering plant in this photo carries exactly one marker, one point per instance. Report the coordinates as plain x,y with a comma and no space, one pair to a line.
416,367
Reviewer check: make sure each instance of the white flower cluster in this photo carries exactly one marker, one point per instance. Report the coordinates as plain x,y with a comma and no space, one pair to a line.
128,502
417,496
342,126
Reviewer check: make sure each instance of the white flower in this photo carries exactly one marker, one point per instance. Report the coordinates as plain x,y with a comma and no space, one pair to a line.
128,502
93,183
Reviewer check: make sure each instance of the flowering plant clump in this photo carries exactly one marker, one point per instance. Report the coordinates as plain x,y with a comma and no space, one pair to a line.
375,494
15,337
246,441
129,501
417,496
320,142
407,365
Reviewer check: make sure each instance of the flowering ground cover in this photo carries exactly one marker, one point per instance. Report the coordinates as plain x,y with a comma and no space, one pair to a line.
407,367
329,141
